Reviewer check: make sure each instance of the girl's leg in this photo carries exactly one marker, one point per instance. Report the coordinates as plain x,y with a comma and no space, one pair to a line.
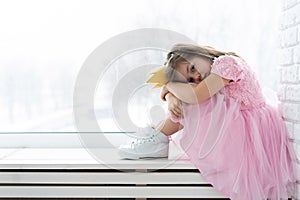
168,127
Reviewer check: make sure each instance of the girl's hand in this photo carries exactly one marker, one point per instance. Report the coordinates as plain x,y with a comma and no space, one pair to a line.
174,105
163,93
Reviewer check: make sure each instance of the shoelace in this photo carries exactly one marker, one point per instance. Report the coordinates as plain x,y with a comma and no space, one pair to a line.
138,141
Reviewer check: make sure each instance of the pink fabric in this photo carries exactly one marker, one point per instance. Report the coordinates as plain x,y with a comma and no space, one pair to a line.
248,90
239,144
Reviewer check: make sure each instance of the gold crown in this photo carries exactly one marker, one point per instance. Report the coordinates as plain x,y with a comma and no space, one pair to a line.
158,77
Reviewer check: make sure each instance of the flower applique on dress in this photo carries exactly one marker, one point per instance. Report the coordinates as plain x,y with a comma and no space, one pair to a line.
244,85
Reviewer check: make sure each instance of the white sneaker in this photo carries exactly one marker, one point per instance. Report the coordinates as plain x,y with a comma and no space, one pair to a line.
145,143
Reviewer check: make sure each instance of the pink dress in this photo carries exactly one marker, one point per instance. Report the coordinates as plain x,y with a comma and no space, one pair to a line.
238,142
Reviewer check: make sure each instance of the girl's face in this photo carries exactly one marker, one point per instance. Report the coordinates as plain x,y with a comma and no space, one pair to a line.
194,69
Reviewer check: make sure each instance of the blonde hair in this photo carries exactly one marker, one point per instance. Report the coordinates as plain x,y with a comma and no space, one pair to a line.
184,52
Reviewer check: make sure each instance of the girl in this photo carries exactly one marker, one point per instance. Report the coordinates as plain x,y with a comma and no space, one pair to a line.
238,142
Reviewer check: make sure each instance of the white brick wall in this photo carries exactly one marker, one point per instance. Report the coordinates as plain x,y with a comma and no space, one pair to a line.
286,56
289,74
297,53
293,92
291,111
289,69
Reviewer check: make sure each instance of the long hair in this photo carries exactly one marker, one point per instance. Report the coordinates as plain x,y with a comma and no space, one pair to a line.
184,52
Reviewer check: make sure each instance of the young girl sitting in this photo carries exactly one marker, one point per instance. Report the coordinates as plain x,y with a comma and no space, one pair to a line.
238,142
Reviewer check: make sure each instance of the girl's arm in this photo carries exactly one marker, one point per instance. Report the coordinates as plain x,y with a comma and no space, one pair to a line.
163,93
174,104
193,94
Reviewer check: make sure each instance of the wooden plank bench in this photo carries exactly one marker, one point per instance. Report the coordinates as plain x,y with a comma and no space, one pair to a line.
74,173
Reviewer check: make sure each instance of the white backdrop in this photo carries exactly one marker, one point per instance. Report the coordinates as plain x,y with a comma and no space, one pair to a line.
43,44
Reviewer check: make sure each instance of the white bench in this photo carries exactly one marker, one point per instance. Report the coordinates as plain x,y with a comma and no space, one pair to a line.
74,173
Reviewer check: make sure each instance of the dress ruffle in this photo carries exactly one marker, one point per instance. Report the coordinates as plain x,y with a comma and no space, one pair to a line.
244,153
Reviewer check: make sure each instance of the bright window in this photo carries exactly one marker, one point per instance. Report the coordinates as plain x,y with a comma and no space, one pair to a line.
43,45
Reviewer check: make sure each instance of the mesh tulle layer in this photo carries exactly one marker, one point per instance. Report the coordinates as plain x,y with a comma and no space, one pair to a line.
244,154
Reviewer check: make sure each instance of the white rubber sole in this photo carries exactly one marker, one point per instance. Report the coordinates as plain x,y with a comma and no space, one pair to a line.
163,153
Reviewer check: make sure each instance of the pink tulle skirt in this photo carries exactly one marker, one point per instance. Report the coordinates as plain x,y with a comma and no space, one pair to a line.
245,154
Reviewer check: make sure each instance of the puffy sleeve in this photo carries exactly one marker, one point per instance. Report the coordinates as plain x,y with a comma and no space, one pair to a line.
228,67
